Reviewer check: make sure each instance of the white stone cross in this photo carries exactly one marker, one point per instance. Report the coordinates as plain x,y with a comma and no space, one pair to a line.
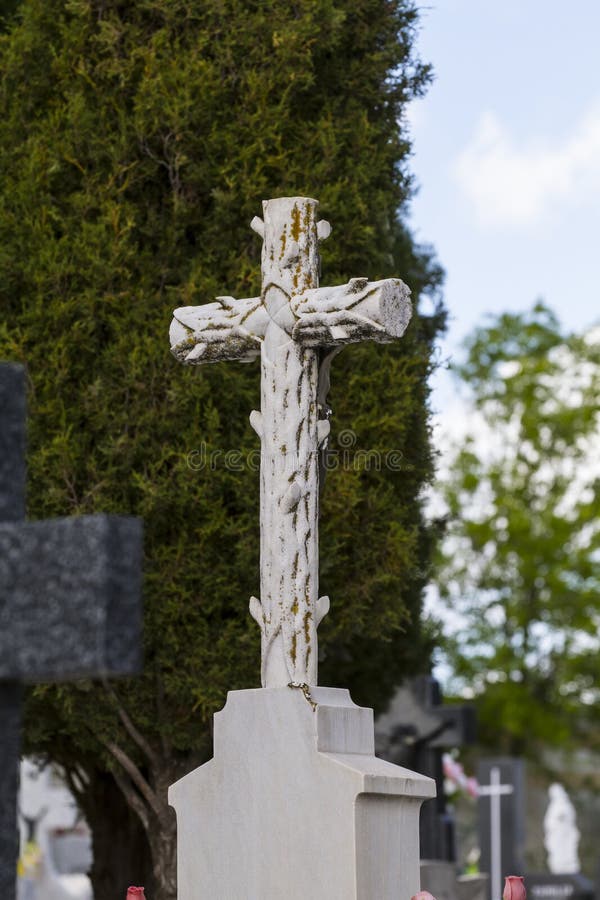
495,790
288,325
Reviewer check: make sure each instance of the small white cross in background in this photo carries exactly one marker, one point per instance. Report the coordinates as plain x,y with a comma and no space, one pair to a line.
495,790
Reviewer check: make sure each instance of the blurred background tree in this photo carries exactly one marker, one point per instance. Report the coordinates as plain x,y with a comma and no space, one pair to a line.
7,10
519,566
137,140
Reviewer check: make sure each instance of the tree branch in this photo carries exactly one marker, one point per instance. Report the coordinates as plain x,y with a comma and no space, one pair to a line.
136,776
160,697
133,799
74,784
130,728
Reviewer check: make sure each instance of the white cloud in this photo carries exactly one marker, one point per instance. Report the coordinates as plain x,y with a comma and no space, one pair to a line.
520,184
415,117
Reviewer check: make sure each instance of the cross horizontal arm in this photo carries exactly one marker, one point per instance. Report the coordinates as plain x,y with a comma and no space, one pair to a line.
226,329
361,310
70,598
495,790
325,317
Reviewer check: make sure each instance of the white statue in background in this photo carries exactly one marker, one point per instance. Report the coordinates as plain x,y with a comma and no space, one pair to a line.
561,835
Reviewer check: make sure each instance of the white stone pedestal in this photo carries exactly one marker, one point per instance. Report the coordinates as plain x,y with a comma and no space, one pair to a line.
295,806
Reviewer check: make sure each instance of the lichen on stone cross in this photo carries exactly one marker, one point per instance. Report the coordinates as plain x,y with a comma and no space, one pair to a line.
288,326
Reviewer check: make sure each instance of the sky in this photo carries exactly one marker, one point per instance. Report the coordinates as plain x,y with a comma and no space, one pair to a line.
506,155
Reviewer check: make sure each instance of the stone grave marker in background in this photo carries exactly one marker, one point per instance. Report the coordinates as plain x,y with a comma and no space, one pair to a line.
502,802
70,603
501,818
415,731
294,803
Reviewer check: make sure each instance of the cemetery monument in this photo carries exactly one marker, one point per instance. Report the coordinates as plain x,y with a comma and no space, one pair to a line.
501,819
69,603
414,732
561,835
502,795
294,803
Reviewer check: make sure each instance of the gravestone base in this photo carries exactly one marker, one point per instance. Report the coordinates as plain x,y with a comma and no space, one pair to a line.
559,887
440,879
296,805
472,887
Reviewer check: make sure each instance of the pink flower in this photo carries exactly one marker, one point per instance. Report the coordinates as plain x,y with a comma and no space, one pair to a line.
423,895
135,893
514,888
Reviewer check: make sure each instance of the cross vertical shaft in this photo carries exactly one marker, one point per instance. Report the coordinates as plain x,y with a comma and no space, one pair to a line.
288,609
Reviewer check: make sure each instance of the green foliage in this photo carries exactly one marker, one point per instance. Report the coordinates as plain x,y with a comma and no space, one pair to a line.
137,140
8,8
520,562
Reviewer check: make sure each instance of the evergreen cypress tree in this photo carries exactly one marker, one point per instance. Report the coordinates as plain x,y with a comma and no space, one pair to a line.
137,140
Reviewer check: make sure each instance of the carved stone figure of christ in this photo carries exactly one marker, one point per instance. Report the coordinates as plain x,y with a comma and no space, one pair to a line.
291,326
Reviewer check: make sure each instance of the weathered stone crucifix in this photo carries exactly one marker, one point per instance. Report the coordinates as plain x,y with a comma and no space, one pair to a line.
284,759
70,604
291,326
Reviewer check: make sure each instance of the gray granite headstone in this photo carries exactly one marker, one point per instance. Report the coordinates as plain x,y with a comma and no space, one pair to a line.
70,603
72,590
12,443
10,743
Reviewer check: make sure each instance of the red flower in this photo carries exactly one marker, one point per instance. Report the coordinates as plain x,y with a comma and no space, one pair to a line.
135,893
423,895
514,888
